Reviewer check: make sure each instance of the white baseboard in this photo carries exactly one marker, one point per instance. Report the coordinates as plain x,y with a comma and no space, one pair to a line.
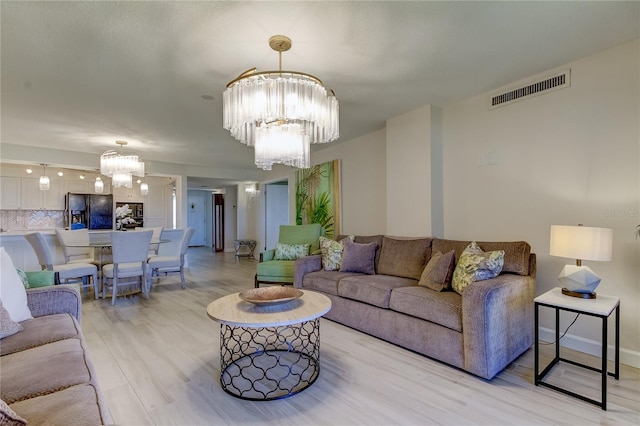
591,347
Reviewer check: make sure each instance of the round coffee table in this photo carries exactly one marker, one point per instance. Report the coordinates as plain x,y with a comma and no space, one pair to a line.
269,351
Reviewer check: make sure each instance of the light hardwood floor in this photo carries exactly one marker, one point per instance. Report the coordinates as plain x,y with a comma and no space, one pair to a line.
158,363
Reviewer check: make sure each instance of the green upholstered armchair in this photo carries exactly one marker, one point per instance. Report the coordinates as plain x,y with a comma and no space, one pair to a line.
272,271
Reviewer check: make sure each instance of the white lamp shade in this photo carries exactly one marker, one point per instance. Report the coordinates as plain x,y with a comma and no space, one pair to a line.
581,242
44,183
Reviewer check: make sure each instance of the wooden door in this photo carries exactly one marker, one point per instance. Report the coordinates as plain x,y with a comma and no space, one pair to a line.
218,222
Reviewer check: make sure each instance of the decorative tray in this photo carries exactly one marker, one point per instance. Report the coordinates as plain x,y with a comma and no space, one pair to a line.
270,295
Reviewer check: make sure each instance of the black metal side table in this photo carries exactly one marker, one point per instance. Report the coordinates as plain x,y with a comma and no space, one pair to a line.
238,244
601,307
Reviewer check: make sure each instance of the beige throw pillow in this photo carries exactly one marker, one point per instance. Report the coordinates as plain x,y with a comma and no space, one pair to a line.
437,274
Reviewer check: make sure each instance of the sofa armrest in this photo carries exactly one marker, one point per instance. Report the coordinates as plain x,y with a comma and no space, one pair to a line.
56,299
303,266
497,322
267,255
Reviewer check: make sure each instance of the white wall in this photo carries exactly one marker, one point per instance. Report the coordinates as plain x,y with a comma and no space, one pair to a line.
566,157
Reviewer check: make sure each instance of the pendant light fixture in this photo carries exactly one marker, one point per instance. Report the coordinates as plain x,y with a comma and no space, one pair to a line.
144,188
44,182
280,112
120,167
98,185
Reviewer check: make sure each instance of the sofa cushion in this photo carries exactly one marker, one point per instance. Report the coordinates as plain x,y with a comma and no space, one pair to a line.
8,417
359,257
76,405
324,281
12,292
8,327
516,253
444,308
476,265
404,258
44,369
437,274
372,289
40,331
276,268
291,251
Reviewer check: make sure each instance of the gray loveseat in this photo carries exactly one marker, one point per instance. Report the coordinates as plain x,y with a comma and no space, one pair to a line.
47,376
480,331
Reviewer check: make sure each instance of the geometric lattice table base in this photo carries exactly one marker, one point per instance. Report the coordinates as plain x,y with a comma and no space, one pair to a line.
270,362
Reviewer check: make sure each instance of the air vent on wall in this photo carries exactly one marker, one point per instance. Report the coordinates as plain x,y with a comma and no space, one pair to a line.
527,90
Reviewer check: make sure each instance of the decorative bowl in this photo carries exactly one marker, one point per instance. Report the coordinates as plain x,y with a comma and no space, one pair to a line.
270,295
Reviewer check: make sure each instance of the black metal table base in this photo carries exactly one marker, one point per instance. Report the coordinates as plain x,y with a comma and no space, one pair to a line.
538,377
269,363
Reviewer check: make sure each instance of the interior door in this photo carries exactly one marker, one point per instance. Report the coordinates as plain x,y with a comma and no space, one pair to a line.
218,222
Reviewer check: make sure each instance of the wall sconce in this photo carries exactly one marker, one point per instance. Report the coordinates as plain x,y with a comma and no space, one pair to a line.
251,190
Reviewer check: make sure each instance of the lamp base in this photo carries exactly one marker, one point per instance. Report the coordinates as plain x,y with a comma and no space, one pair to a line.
568,292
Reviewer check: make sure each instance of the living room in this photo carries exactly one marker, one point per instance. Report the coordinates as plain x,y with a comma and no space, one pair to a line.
464,171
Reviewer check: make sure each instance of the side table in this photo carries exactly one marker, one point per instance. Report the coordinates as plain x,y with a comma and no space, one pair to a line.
238,244
601,307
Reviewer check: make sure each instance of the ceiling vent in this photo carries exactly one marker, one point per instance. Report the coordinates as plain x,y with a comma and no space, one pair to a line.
528,90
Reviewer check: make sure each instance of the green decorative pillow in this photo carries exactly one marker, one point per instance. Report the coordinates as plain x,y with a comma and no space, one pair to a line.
476,265
291,251
437,273
332,252
40,278
23,278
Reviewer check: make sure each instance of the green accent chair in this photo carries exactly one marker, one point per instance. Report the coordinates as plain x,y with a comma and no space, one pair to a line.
272,271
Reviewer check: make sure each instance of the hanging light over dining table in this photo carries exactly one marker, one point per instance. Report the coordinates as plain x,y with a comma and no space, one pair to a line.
280,113
120,167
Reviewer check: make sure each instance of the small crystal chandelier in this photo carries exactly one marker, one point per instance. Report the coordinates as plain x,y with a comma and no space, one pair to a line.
120,168
44,182
280,112
99,185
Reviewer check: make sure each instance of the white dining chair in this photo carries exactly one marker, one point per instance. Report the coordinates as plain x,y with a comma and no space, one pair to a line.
129,251
171,255
157,231
75,245
67,272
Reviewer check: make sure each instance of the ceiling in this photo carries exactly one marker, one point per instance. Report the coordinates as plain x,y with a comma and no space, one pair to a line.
79,75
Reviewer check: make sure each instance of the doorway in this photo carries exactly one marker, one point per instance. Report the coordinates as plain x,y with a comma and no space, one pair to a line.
218,223
276,211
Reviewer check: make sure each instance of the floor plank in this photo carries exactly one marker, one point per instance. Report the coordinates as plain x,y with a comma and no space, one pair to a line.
158,363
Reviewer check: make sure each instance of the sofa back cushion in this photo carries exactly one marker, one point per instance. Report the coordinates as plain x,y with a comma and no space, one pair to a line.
516,253
404,257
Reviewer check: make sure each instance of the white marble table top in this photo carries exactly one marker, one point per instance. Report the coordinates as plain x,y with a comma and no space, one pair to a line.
234,311
601,305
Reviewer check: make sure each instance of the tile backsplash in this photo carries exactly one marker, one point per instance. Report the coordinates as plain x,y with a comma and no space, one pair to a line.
17,220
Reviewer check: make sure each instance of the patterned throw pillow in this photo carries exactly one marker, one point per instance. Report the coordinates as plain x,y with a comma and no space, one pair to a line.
9,417
8,326
23,277
291,251
437,273
332,252
476,265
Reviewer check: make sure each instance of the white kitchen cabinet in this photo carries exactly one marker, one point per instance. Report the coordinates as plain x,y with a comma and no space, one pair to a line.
32,198
121,194
10,190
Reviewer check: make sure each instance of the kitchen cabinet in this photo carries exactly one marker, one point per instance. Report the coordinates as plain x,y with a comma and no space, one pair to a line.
10,190
32,198
87,187
128,194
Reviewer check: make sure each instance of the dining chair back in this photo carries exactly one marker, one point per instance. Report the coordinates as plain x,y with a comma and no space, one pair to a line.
129,251
157,232
75,245
171,255
67,272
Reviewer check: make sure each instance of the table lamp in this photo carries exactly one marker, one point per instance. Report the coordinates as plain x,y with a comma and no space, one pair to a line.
580,243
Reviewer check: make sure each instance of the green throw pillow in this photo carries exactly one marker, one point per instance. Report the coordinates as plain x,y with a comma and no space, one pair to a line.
476,265
291,251
23,278
41,278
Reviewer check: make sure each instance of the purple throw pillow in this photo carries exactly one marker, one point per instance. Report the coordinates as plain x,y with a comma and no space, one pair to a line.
359,257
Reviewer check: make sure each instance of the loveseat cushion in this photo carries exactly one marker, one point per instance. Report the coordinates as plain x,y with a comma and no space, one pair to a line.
42,370
444,308
76,405
39,331
372,289
324,281
516,253
404,257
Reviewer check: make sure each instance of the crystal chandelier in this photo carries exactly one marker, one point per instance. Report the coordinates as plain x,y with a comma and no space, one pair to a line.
44,182
120,168
280,112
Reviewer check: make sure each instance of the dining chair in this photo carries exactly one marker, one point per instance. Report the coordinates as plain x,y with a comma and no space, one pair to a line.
157,231
67,272
75,245
171,255
129,251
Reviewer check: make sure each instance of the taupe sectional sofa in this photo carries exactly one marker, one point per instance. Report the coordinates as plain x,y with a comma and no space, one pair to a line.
47,376
481,331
